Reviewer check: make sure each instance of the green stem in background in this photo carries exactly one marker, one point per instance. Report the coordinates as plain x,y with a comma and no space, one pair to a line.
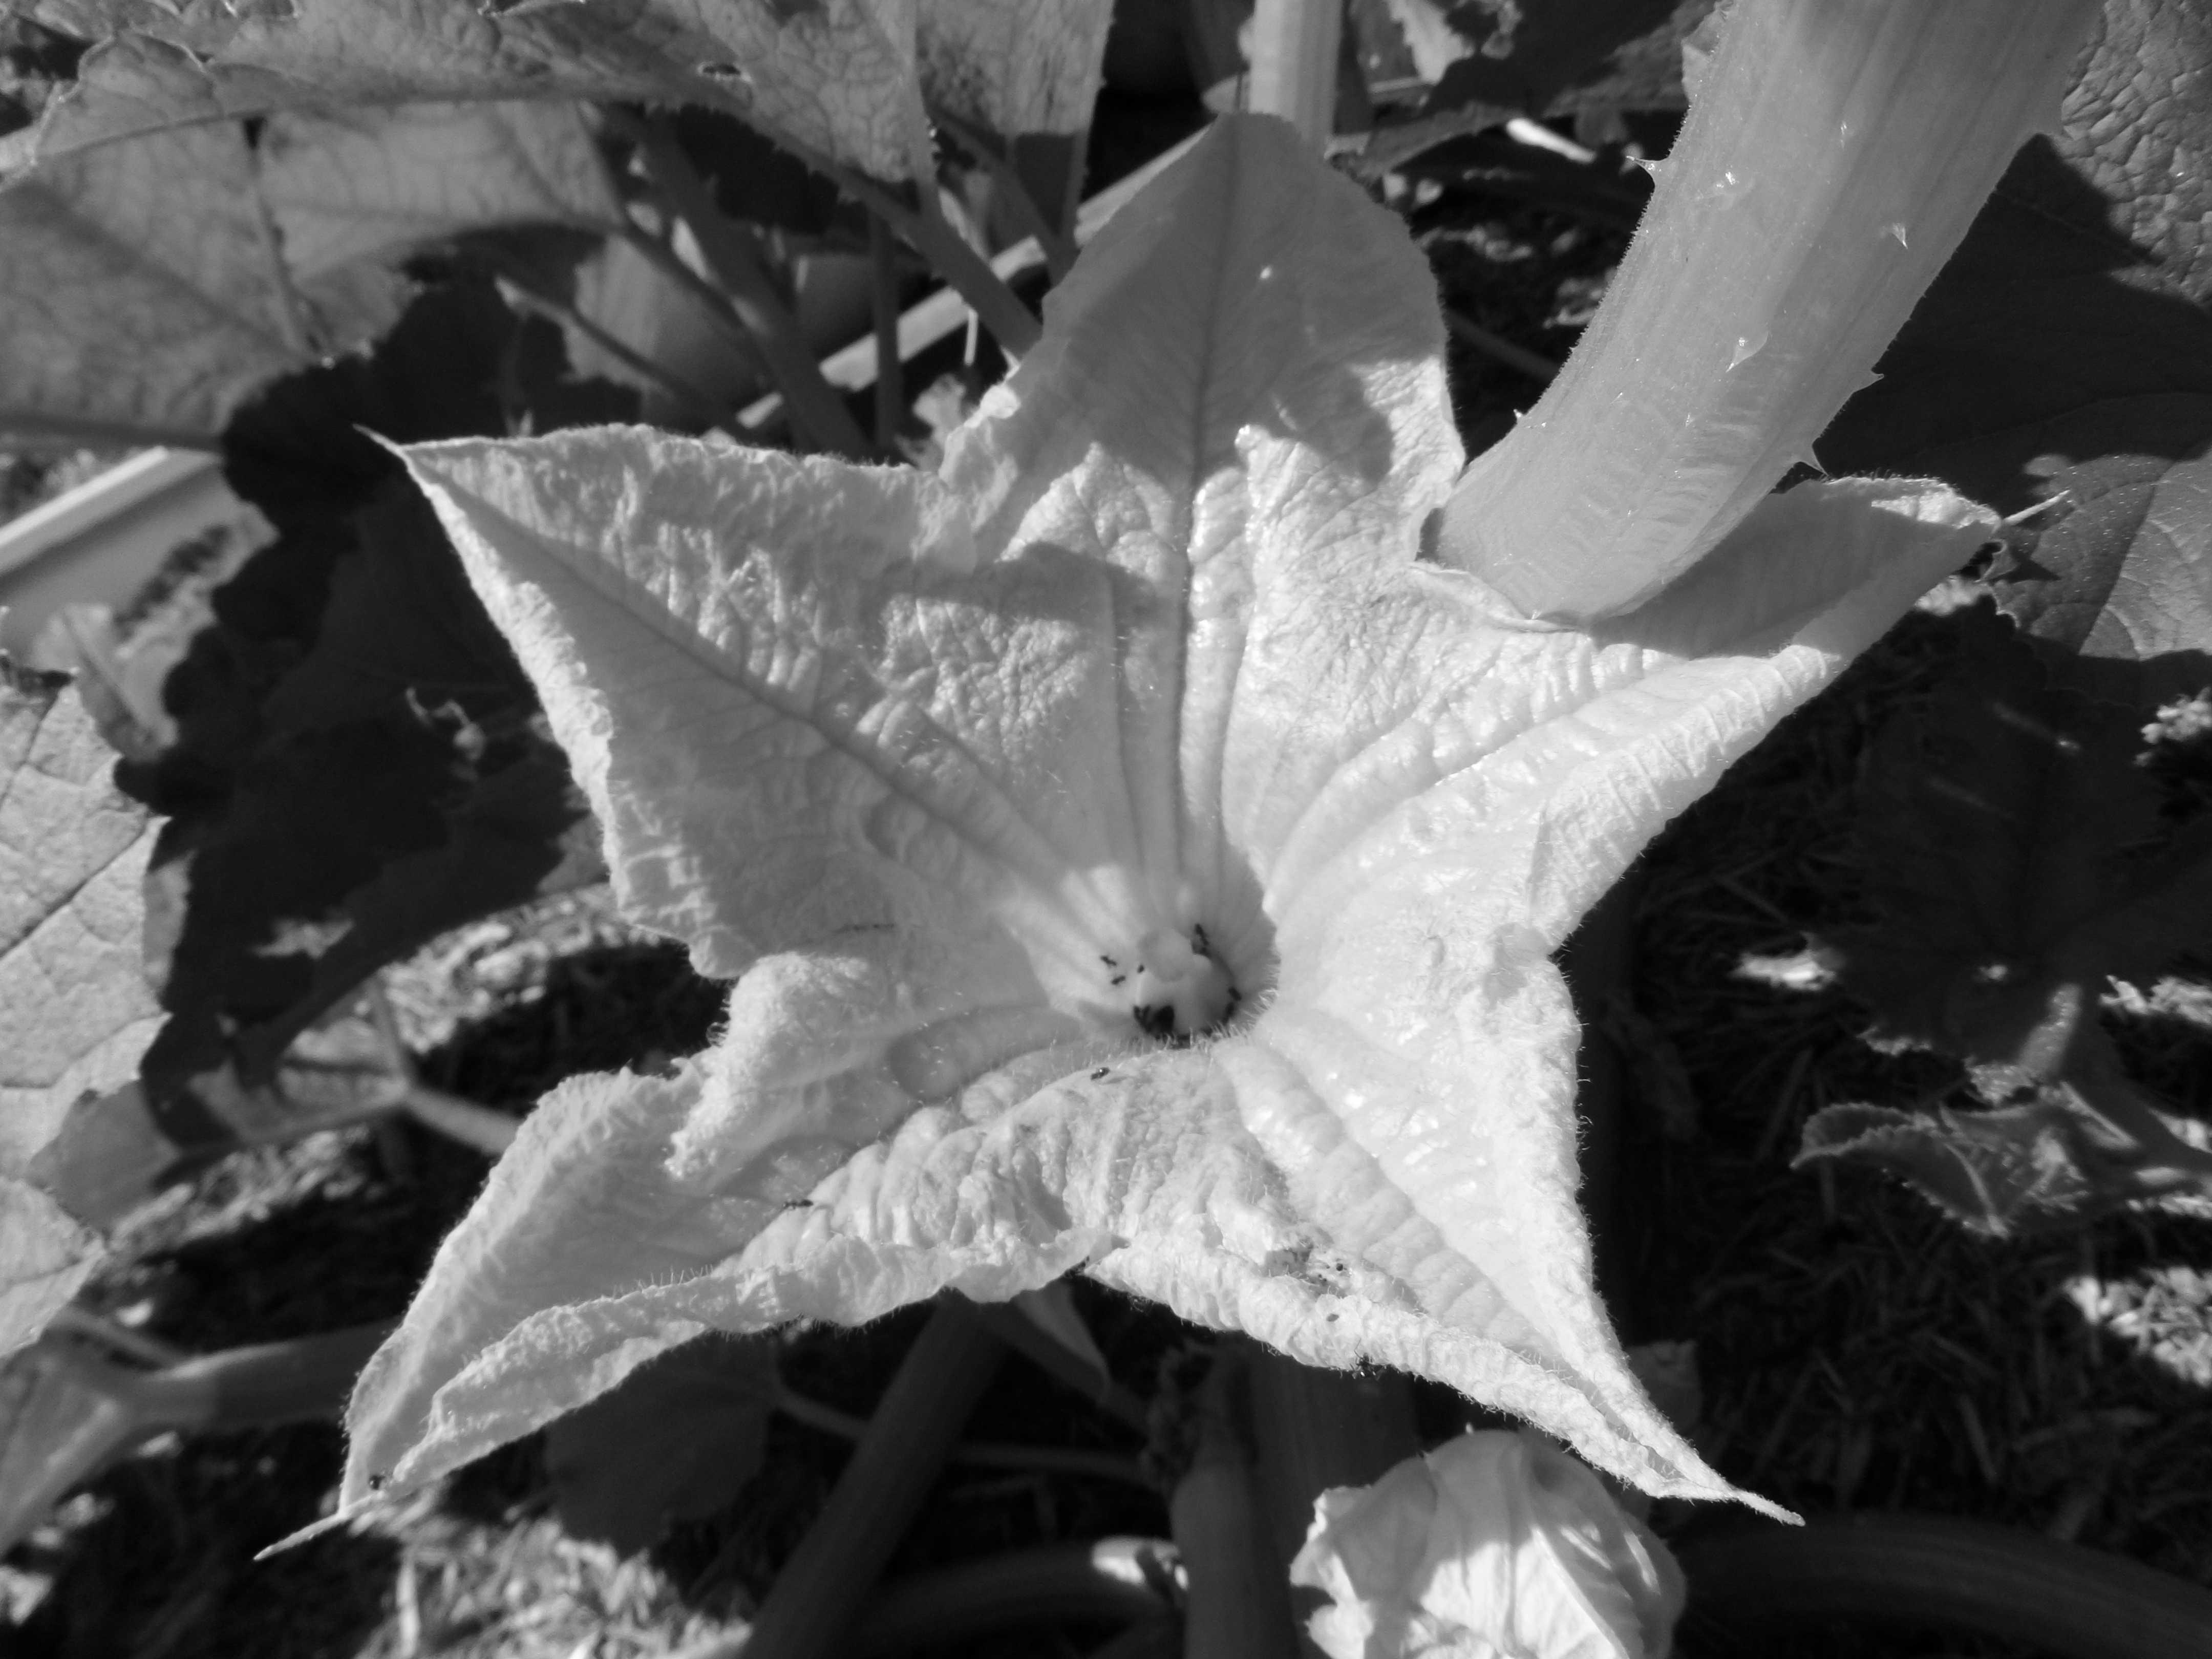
732,251
1830,163
1058,249
981,1454
1294,52
1312,1430
694,403
1113,1580
883,304
1013,324
1958,1575
1237,1605
104,1409
1534,366
1315,1429
823,1589
1009,1324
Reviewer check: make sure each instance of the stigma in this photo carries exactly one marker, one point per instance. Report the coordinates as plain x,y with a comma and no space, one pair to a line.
1174,986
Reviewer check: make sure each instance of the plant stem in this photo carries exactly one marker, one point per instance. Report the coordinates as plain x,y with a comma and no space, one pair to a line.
983,1453
113,1407
817,413
1294,46
1017,1332
819,1594
702,408
1313,1429
929,321
883,301
1963,1575
303,1380
1013,324
1498,346
1238,1605
487,1130
1830,166
1115,1580
1058,249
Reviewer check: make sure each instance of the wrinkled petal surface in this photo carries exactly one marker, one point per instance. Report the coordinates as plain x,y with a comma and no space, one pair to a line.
1136,856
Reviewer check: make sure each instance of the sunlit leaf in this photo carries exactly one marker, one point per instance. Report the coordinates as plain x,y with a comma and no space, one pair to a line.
140,288
836,76
2051,1161
2117,573
75,1012
376,184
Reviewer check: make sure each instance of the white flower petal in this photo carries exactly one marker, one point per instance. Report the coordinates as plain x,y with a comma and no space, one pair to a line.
1493,1545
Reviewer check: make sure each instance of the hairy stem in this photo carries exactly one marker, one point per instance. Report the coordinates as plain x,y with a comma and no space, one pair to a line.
1831,162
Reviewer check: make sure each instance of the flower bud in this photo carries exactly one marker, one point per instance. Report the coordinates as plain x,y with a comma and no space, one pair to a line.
1497,1546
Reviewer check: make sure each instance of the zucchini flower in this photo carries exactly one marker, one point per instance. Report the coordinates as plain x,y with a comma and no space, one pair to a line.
1139,845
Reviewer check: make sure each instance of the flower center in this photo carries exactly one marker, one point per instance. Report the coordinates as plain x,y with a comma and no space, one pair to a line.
1176,987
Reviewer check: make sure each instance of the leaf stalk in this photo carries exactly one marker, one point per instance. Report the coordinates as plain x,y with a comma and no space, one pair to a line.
821,1592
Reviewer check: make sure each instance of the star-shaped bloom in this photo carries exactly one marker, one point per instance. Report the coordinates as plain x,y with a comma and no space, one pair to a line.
1132,853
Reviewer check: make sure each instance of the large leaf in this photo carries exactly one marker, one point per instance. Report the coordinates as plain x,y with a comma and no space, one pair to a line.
359,765
2003,830
150,287
1014,66
376,185
140,288
1138,859
2118,571
75,1012
837,78
840,80
1025,73
2093,249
